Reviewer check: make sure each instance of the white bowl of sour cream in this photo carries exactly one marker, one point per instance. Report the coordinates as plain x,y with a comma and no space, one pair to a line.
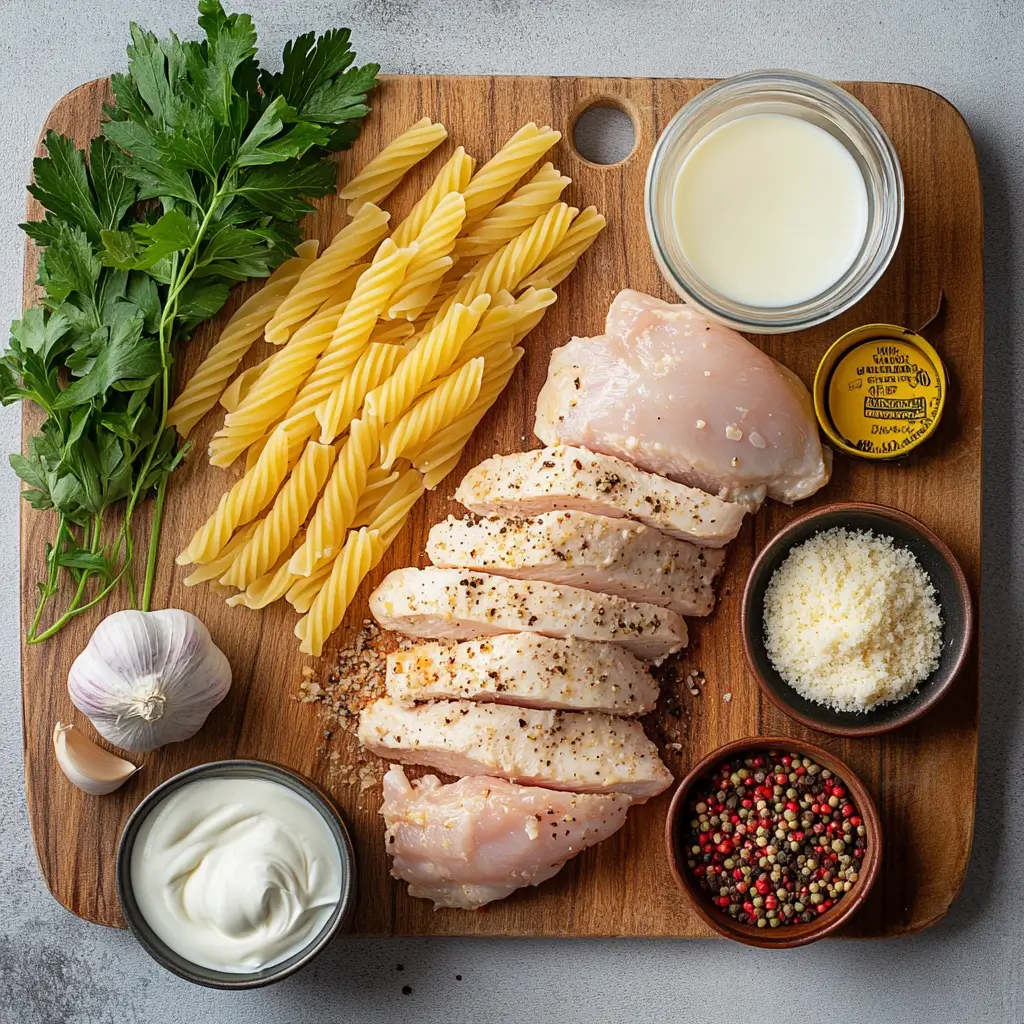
774,201
235,874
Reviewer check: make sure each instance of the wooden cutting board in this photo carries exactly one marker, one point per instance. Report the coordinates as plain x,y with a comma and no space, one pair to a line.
923,776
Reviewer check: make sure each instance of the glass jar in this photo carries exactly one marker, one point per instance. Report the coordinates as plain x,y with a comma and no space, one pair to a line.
799,95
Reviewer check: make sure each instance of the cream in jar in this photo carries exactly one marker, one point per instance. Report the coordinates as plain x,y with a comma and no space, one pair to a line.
770,210
236,874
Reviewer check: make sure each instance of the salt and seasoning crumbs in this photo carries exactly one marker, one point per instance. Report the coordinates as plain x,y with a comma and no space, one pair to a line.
851,620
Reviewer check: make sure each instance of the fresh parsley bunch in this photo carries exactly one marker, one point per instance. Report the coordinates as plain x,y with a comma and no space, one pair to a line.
205,164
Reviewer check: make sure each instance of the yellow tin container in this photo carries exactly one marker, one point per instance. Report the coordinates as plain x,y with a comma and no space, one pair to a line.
879,391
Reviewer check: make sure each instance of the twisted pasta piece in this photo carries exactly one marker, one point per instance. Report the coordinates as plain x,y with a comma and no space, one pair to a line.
320,281
284,520
514,215
453,177
432,356
337,505
303,591
387,333
232,396
391,511
453,396
437,473
428,266
503,325
449,442
216,568
351,336
487,187
247,498
373,367
200,394
564,257
517,259
271,396
361,552
378,483
270,587
327,609
383,173
418,288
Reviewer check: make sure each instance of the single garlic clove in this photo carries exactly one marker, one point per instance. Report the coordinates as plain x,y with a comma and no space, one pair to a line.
86,764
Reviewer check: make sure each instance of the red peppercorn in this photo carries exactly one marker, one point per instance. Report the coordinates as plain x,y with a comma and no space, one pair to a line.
762,885
749,907
742,886
781,780
787,760
747,803
758,762
737,874
856,821
771,902
847,810
838,791
801,770
792,805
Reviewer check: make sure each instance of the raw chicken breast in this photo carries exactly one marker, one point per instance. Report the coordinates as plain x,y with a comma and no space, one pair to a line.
457,604
557,749
679,395
563,477
527,670
479,839
580,549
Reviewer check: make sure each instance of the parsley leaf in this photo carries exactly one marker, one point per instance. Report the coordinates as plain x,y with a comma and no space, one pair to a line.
204,165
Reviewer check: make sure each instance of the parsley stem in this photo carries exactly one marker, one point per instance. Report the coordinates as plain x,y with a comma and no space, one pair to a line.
154,542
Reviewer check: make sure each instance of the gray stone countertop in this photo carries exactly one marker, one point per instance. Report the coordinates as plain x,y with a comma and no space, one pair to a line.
56,969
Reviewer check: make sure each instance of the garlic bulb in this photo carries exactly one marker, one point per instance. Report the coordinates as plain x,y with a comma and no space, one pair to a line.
86,764
149,678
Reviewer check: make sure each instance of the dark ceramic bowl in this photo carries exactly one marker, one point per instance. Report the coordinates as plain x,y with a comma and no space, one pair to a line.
677,828
951,589
177,964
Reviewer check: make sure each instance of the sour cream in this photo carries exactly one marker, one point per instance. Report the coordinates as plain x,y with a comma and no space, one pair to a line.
770,210
236,874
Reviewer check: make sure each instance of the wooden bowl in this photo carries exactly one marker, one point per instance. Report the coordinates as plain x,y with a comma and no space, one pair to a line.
677,827
946,576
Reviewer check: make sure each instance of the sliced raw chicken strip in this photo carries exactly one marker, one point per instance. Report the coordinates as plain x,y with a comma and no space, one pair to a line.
458,604
557,749
563,477
480,839
581,549
527,670
676,394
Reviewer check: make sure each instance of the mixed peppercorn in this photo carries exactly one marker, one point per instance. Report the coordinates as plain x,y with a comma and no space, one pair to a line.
774,838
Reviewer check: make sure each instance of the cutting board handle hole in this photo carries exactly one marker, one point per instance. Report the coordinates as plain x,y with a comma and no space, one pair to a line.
604,133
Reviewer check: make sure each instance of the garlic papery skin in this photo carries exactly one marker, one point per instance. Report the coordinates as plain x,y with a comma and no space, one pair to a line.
149,678
87,765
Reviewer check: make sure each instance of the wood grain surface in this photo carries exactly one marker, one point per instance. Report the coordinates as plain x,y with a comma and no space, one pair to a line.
923,777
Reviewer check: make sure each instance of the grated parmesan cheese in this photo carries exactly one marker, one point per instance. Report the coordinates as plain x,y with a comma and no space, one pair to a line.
852,621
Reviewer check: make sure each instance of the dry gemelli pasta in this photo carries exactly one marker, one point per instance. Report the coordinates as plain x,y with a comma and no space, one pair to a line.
246,499
378,482
453,177
200,395
503,325
453,396
564,257
320,281
215,569
351,335
357,558
504,269
432,356
270,587
234,394
515,215
391,511
336,508
375,365
383,173
387,333
271,396
490,184
303,591
283,522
